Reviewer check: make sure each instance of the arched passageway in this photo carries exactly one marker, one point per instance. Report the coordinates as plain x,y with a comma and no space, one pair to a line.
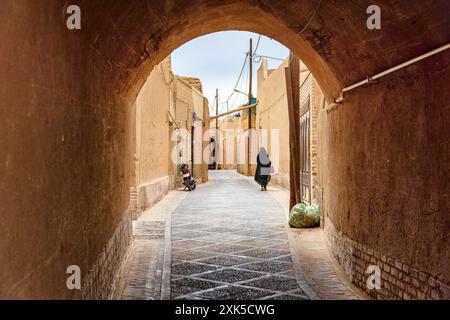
67,145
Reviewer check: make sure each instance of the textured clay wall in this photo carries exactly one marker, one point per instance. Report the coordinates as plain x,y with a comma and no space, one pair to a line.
153,138
66,134
188,101
66,147
272,115
152,125
244,136
384,165
229,127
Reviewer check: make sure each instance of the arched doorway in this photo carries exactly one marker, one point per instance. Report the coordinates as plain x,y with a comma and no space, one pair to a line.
74,90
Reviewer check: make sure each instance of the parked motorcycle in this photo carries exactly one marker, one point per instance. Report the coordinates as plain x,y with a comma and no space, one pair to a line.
188,180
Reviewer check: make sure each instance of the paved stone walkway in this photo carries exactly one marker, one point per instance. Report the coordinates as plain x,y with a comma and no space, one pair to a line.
314,263
148,274
227,240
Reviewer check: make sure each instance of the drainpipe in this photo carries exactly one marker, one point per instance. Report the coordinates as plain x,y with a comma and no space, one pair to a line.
338,101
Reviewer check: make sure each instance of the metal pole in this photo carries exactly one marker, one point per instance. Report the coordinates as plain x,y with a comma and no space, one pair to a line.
241,108
217,130
251,72
250,97
217,109
338,101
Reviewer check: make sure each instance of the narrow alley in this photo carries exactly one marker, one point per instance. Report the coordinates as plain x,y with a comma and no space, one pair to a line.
214,150
217,250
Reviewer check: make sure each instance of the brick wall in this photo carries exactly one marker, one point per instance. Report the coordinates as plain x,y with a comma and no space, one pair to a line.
310,90
101,281
398,280
315,107
134,202
150,194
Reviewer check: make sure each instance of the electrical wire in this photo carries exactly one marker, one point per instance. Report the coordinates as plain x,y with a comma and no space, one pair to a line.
306,27
242,70
257,58
257,45
311,19
211,107
236,95
239,78
244,85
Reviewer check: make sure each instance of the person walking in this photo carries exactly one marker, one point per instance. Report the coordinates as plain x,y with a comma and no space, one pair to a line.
263,169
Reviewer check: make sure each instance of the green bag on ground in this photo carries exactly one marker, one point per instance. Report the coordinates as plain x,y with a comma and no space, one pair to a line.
303,216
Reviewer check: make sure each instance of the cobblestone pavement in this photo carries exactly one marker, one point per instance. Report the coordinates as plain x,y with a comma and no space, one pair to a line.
229,240
148,274
314,263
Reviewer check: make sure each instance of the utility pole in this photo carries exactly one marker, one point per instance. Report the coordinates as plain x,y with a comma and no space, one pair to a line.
216,153
250,97
292,72
250,52
217,108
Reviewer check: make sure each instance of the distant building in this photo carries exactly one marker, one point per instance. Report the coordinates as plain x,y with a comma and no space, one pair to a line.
192,121
312,100
152,137
247,143
171,118
228,126
270,129
272,120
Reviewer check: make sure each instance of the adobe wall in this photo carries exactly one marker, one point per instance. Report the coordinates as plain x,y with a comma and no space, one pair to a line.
66,159
189,102
384,158
229,128
67,127
152,138
272,115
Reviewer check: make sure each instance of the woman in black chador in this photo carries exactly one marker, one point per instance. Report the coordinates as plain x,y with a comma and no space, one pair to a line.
263,169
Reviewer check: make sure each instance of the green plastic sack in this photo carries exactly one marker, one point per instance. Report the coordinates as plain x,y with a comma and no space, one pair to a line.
303,216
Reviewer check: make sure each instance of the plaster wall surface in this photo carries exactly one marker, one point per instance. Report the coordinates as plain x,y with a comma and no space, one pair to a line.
152,125
383,166
67,124
191,116
271,119
229,130
152,155
66,158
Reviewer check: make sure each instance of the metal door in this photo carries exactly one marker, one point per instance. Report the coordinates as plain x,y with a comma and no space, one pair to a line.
305,157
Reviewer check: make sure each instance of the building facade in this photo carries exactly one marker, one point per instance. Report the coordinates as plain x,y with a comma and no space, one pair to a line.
152,138
190,122
269,128
229,126
312,101
170,113
272,120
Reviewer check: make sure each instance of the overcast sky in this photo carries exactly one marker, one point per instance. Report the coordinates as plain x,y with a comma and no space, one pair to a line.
217,60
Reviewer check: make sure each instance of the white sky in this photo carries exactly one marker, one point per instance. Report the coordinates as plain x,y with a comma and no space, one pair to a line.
217,60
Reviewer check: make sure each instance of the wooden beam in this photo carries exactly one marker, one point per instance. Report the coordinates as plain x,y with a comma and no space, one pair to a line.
292,73
245,107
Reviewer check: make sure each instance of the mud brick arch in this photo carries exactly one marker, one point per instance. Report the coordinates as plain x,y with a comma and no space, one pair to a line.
66,132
